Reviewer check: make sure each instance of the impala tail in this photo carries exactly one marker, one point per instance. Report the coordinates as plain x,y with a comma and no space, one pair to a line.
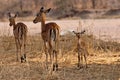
53,34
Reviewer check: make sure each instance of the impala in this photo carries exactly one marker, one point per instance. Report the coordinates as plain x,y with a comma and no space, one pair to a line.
81,49
20,35
50,36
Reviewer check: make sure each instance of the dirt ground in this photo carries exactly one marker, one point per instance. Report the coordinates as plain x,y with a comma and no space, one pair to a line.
101,65
105,66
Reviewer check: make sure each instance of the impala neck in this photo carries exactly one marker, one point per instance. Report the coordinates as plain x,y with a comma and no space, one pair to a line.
14,25
79,41
43,23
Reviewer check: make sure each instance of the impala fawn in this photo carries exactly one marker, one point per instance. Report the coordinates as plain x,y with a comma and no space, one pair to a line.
81,49
20,35
50,34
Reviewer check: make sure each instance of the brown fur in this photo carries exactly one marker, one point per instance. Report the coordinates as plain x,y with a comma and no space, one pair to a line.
20,35
46,36
81,49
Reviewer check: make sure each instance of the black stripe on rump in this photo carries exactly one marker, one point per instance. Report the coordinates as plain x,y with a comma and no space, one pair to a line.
53,34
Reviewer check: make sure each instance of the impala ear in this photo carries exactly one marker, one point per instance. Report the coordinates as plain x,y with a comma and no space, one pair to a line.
74,32
9,14
42,9
48,10
16,15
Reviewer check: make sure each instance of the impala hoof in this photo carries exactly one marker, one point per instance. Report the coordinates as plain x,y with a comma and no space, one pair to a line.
79,66
55,67
22,59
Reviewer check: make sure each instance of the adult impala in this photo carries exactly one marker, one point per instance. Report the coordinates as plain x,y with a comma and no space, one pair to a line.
20,35
50,35
81,49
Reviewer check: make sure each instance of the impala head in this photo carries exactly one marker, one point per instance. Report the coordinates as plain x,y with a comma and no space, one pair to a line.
78,34
41,15
12,19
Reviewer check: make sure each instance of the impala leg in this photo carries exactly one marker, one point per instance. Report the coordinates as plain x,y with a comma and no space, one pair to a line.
78,59
22,58
85,58
57,47
45,48
81,58
85,61
24,52
51,53
16,42
21,44
55,64
56,53
24,55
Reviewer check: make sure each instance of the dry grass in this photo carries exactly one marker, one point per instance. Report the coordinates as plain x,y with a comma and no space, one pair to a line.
102,65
